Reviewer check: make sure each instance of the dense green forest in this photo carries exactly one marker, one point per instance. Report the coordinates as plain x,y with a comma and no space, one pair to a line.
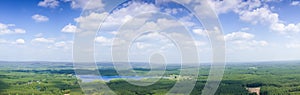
47,78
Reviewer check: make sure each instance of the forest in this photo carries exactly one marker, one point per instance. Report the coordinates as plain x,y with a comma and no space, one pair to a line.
57,78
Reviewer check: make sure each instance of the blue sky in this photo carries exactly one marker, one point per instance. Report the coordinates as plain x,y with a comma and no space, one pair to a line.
43,30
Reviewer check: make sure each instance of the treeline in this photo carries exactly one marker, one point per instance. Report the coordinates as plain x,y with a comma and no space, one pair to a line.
106,72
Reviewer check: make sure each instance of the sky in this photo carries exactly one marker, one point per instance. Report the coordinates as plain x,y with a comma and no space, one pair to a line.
43,30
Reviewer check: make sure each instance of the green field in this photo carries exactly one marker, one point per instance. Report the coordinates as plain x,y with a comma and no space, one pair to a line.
53,78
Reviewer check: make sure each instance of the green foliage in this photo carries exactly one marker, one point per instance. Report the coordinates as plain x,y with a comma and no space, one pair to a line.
273,78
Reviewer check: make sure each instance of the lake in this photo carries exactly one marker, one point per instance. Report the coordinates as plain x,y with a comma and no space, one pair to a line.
90,78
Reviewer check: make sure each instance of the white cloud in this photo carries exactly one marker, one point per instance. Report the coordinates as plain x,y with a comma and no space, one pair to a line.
114,32
8,29
4,26
69,28
20,41
63,44
185,1
142,45
243,40
203,10
200,43
38,35
60,44
20,31
120,16
283,28
200,32
187,21
273,0
2,41
51,43
225,5
40,18
239,36
173,10
248,44
146,43
238,6
92,4
42,40
265,16
164,23
245,29
295,3
260,15
90,22
49,3
16,42
103,40
116,19
256,11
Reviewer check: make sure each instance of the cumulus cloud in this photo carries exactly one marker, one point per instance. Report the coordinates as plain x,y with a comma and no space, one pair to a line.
91,21
142,45
173,10
103,40
225,6
146,43
52,43
49,3
265,16
252,11
259,15
164,23
20,41
40,18
237,6
88,23
285,28
87,4
200,32
9,29
42,40
60,44
38,35
69,28
63,44
120,16
116,18
3,41
16,42
256,11
239,36
21,31
245,29
200,43
295,3
243,40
